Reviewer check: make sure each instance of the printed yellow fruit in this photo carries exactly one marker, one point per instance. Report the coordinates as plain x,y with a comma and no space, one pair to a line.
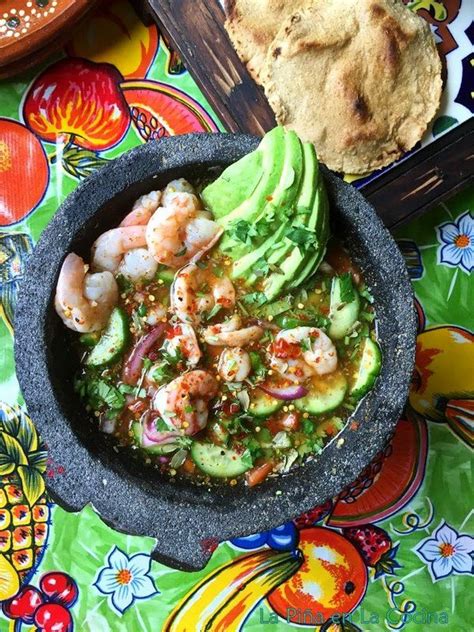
222,601
24,511
9,579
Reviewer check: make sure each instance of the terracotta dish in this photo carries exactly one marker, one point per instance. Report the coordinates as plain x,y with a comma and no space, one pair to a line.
30,29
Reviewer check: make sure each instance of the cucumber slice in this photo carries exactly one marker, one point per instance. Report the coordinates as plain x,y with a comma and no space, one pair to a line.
113,341
166,275
342,314
91,339
137,431
262,404
368,370
325,394
220,462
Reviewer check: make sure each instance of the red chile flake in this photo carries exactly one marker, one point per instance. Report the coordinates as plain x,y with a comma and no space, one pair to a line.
171,332
283,349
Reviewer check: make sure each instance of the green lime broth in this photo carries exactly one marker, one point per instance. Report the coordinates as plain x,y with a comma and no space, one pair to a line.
271,444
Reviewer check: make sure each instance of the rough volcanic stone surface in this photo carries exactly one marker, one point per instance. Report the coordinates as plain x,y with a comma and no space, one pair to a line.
130,496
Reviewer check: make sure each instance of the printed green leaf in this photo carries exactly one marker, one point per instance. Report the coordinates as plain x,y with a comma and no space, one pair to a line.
442,124
32,483
9,419
27,434
12,449
80,163
38,460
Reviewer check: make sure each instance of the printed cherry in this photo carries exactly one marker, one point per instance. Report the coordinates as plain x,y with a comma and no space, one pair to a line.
59,588
24,605
52,617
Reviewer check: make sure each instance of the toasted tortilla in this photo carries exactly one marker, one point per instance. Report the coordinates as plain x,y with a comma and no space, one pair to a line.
361,79
252,25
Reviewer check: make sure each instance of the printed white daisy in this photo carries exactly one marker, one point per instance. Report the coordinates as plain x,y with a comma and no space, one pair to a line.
458,243
447,552
125,579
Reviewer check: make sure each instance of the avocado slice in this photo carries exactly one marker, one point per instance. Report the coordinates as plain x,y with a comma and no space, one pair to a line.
216,195
292,259
320,218
235,185
261,210
304,210
261,201
245,263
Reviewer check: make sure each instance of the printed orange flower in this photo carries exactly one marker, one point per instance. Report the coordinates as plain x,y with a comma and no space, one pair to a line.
80,100
124,40
24,172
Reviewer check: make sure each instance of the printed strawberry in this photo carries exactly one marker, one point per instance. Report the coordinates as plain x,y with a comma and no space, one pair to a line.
314,515
375,546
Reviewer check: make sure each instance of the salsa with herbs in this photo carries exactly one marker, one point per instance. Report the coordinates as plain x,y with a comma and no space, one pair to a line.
202,374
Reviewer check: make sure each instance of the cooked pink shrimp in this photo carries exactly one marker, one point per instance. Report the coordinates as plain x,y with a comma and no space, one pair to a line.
196,292
181,232
234,364
230,334
183,338
301,352
84,301
137,265
184,402
142,210
109,249
175,186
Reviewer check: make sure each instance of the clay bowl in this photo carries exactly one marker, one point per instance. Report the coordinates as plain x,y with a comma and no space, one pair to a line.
31,29
128,495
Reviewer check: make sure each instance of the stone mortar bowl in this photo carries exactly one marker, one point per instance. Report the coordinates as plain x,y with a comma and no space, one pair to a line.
130,496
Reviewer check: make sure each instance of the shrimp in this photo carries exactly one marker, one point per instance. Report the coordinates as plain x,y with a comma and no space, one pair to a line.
182,338
302,352
84,301
181,232
234,364
108,249
195,292
155,314
176,186
142,210
183,403
230,334
138,264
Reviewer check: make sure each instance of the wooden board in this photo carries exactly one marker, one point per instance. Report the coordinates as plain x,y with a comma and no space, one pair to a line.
196,29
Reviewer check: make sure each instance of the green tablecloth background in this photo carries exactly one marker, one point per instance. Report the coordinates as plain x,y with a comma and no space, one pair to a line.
114,86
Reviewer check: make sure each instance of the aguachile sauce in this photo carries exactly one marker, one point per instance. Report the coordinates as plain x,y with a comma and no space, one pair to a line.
222,345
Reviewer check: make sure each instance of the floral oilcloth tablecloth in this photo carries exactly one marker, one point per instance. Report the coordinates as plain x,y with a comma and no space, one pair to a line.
393,551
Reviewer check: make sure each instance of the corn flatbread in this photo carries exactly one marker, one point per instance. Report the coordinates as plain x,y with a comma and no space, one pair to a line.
252,25
361,79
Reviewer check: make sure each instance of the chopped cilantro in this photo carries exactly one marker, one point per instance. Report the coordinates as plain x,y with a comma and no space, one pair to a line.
261,267
243,231
308,426
100,393
301,236
364,292
254,298
161,425
141,310
182,252
125,285
346,288
258,367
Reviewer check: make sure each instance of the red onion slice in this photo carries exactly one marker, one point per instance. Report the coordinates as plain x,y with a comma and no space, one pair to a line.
133,365
286,393
151,436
